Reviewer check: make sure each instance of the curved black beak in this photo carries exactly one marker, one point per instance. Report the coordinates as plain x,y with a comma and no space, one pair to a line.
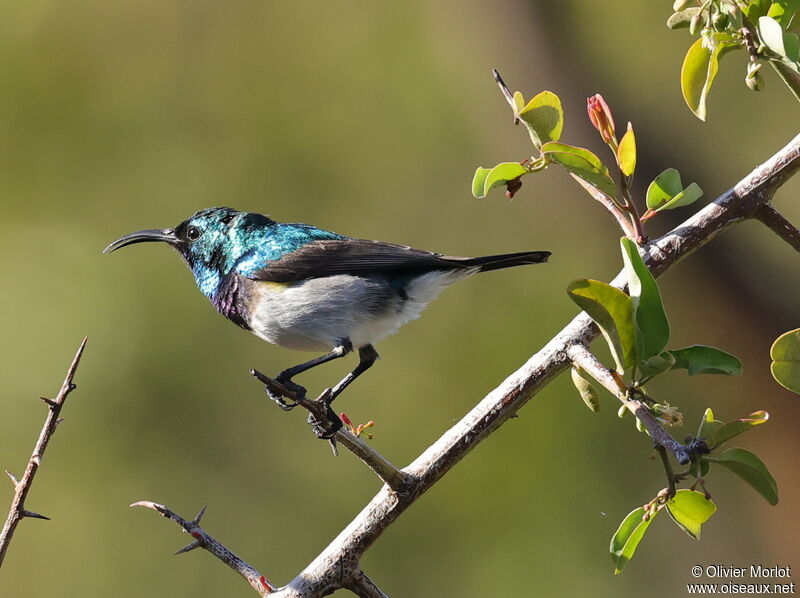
166,235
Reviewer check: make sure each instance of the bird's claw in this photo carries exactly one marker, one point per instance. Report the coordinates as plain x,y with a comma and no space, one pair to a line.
327,428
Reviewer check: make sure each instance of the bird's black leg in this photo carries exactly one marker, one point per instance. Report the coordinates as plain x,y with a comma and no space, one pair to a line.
367,356
285,377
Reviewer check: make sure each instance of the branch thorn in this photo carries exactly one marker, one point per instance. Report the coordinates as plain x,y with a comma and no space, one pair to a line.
13,478
202,512
31,514
188,547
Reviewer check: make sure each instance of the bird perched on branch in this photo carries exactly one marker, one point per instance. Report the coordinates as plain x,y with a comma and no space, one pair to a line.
305,288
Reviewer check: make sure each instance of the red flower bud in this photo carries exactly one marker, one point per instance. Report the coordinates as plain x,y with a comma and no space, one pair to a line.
600,117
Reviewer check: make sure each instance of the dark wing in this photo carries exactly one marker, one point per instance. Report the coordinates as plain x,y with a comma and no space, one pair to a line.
361,258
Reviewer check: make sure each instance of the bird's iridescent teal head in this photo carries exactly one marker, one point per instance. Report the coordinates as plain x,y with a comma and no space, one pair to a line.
211,242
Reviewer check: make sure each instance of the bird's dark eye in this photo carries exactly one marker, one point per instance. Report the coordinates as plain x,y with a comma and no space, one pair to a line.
193,233
227,219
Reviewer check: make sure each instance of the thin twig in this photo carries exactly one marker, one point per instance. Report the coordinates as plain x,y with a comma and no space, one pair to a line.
767,215
202,540
616,211
580,356
380,465
17,511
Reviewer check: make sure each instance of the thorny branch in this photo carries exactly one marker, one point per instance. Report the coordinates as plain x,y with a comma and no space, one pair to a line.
337,566
22,486
203,540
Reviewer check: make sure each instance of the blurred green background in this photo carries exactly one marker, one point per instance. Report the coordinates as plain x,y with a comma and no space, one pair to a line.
368,119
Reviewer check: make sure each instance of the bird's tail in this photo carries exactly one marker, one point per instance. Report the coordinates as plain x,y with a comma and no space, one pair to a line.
506,260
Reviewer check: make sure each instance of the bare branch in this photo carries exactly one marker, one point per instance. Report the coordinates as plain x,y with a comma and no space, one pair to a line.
17,511
779,225
383,468
202,540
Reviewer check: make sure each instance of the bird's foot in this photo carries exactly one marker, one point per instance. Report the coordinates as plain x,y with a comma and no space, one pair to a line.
325,423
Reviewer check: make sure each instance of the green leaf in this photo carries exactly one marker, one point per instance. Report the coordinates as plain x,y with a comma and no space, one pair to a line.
783,11
544,116
699,69
699,359
501,174
478,181
690,510
708,426
785,354
773,36
626,152
519,101
627,537
583,164
649,316
663,188
657,364
734,428
688,196
611,309
585,389
751,469
756,8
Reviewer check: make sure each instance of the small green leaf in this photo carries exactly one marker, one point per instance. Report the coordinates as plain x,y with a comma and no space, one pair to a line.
585,389
690,510
651,320
751,469
611,309
734,428
519,101
663,188
544,116
657,364
501,174
785,353
627,537
583,164
699,69
708,426
688,196
699,359
626,152
478,182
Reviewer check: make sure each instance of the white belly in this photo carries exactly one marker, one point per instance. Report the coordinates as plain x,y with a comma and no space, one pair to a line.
319,313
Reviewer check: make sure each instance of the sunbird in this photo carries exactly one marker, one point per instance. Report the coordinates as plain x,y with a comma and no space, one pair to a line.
302,287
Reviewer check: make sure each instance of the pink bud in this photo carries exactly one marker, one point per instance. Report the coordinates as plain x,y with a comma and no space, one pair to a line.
600,117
